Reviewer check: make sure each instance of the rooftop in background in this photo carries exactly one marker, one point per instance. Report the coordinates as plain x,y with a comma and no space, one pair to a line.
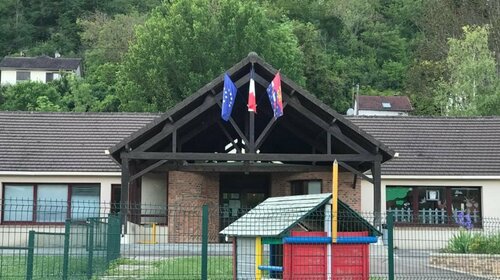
75,142
64,142
40,62
437,146
374,105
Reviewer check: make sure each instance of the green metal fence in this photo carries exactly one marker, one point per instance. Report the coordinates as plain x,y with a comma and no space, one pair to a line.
185,243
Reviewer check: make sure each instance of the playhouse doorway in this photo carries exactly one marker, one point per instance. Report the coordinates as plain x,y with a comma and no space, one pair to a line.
241,192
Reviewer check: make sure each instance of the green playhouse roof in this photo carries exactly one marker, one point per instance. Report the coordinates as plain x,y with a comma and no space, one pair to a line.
275,216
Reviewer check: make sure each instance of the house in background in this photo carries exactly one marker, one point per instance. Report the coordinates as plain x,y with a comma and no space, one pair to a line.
41,69
366,105
443,167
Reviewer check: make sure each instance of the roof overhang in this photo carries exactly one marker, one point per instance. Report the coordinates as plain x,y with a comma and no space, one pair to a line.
310,132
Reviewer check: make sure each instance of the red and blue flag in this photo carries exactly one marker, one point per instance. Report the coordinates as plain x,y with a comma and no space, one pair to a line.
275,96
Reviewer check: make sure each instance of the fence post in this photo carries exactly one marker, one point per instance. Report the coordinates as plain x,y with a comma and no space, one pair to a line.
90,248
67,229
113,238
390,244
204,243
31,252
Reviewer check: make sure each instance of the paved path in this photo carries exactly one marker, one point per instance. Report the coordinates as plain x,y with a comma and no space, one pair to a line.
413,264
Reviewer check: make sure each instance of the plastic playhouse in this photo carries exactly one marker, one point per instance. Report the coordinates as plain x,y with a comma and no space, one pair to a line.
297,237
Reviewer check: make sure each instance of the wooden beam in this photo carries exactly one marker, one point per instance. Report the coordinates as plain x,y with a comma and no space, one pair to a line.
247,167
356,172
337,133
124,206
174,141
207,103
294,102
247,157
302,137
194,132
236,127
228,136
377,192
265,133
251,144
147,169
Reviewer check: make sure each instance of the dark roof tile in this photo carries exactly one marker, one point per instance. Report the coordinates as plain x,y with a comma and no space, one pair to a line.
41,62
64,142
438,145
397,103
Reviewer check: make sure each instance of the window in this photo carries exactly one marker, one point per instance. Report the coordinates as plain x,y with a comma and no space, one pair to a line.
49,77
433,205
23,75
305,187
18,204
84,201
51,203
54,202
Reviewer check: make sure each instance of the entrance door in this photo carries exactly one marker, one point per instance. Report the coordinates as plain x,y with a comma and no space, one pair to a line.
116,195
241,192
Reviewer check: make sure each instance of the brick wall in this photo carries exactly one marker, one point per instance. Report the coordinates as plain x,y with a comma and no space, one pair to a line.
280,185
187,192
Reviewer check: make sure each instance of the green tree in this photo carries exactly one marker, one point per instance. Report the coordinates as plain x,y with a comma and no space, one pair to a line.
15,30
107,38
28,96
184,45
473,84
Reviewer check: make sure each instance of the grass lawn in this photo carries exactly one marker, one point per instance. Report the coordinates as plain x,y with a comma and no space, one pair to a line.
181,268
48,267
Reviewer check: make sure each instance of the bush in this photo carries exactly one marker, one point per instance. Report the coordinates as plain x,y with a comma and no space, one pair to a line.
466,242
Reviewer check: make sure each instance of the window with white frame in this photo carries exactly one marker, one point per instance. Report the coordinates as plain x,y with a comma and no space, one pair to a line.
433,204
50,203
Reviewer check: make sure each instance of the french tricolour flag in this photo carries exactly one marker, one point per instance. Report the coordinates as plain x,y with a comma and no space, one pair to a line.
252,106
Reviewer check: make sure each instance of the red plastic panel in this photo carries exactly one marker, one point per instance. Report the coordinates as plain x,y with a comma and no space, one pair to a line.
304,261
351,261
308,261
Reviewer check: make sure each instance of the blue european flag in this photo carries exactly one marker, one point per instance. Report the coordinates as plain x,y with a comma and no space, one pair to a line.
228,97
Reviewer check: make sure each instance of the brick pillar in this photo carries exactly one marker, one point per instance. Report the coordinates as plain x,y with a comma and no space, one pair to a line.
187,192
280,185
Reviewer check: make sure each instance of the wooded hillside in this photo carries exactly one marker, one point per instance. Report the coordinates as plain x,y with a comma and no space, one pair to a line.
148,55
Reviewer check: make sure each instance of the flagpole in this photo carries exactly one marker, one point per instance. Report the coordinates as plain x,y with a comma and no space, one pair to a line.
335,193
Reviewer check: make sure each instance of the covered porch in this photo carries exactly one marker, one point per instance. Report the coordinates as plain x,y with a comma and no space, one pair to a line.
234,165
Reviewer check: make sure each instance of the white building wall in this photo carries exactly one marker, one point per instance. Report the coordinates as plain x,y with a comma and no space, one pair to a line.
38,76
154,189
8,77
381,113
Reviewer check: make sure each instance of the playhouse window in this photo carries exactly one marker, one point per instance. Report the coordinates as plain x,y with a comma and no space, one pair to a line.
54,202
433,205
305,187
